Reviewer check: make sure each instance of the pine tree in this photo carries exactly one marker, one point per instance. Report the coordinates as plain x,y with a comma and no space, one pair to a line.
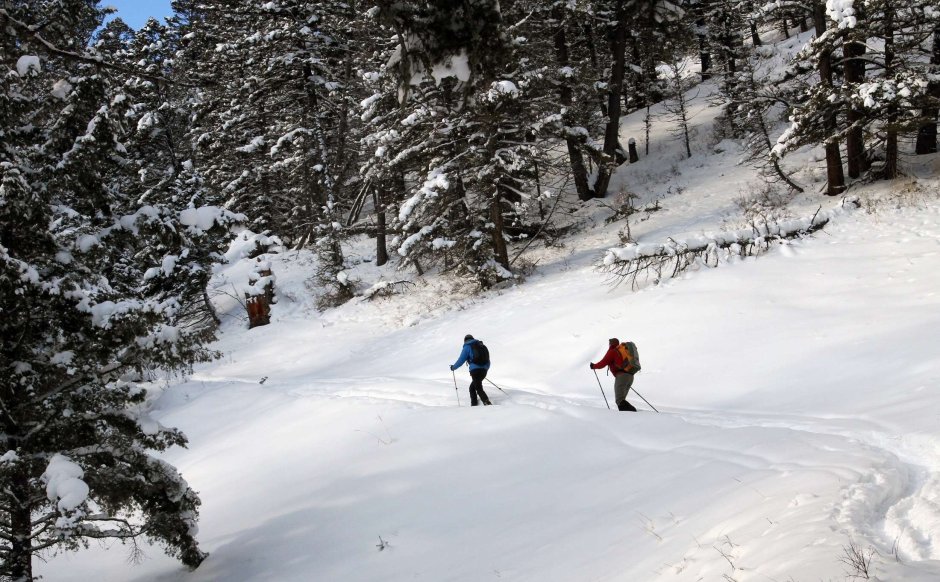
728,22
888,81
468,113
274,133
571,93
233,111
92,296
883,92
160,167
815,118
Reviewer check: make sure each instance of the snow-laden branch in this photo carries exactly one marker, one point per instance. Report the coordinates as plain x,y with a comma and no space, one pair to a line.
34,33
666,260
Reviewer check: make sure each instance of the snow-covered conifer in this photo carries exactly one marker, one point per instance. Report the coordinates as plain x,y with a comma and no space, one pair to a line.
880,49
461,137
273,129
89,311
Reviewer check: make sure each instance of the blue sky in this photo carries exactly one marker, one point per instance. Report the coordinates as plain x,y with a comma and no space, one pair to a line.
136,12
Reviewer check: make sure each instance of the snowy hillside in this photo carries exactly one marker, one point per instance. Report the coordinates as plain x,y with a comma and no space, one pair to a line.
798,397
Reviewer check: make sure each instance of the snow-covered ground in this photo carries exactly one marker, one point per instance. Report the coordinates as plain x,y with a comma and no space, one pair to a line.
799,396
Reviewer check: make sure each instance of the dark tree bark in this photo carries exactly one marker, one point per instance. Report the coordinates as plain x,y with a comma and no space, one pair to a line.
207,305
575,156
496,216
381,249
636,77
589,40
314,196
729,40
613,151
927,133
588,30
19,560
835,178
891,121
705,57
854,51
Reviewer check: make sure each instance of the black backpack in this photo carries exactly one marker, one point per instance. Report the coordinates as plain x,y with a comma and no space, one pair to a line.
479,354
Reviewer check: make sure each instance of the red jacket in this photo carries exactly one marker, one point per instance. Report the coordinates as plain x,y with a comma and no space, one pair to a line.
613,360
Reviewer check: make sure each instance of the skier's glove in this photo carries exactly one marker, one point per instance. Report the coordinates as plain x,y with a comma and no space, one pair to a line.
452,368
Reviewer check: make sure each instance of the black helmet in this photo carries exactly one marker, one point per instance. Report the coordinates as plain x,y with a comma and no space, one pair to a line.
467,337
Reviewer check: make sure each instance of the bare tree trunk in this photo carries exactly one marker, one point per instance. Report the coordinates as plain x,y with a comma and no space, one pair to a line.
575,156
636,77
678,109
315,197
927,133
588,30
768,146
705,57
755,36
209,308
729,40
345,163
15,495
835,178
891,122
855,75
496,217
19,559
613,151
589,40
381,250
169,140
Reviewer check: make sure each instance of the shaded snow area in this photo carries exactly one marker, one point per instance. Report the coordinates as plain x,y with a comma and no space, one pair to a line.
799,394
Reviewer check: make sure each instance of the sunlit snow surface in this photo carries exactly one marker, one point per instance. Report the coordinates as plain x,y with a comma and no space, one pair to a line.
800,399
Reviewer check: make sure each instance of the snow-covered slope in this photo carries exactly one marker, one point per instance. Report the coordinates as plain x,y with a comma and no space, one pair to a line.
800,412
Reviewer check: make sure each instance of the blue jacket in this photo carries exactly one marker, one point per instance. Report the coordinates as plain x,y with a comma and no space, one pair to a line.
465,354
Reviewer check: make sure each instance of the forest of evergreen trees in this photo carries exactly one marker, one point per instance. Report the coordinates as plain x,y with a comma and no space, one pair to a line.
443,130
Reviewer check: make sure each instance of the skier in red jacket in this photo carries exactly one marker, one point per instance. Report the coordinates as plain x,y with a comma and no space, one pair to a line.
622,379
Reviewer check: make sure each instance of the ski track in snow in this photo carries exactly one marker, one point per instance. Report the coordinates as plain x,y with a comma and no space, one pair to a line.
897,507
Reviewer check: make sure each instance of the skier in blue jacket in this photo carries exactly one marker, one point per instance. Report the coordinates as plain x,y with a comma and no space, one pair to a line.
477,371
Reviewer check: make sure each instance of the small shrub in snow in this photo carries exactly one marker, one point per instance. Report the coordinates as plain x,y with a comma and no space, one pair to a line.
623,207
766,203
858,561
385,289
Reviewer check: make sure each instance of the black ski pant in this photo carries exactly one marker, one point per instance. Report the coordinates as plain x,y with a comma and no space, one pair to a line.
476,387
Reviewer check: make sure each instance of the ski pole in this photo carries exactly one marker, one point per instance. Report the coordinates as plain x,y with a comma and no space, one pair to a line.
456,391
602,388
497,387
645,400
